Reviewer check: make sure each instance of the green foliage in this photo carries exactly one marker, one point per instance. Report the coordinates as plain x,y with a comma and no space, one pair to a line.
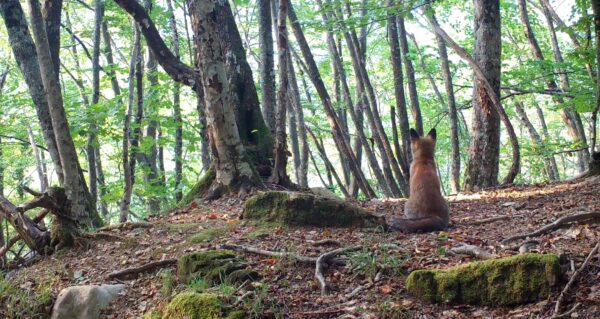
19,303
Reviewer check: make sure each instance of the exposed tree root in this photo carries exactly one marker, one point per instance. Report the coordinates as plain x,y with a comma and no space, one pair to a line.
146,267
320,265
258,251
579,218
565,314
127,226
574,277
472,251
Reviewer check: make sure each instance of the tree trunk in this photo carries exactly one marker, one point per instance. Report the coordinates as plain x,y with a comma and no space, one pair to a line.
129,163
178,152
315,77
23,49
81,205
570,117
396,60
267,73
549,162
454,136
294,96
51,12
279,175
410,74
596,8
328,165
38,160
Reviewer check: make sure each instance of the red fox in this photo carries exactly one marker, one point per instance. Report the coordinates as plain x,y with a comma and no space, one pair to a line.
426,209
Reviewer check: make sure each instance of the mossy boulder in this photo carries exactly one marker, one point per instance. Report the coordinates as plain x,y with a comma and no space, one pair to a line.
305,209
499,282
192,305
214,266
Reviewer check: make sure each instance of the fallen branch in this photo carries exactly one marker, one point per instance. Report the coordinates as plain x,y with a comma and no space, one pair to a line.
127,225
258,251
576,274
489,220
324,242
320,265
581,217
102,235
136,270
472,251
565,314
8,245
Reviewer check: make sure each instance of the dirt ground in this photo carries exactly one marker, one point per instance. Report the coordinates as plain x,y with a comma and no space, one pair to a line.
372,283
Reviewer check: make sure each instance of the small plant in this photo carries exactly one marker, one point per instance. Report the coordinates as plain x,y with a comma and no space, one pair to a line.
199,284
168,282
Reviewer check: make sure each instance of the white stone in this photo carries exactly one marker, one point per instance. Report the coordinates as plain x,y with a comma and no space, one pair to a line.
84,302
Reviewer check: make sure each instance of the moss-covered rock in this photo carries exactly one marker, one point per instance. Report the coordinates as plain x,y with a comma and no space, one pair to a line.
192,305
498,282
214,266
304,209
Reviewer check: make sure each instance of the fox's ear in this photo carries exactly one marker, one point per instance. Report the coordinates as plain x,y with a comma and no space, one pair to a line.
432,134
414,135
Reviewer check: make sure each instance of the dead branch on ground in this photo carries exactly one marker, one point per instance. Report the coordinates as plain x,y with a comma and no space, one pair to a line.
565,220
143,268
473,251
574,277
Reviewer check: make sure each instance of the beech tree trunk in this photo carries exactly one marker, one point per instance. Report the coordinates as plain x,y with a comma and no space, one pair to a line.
178,151
81,204
410,74
294,97
484,151
127,156
39,164
569,117
23,49
267,73
452,114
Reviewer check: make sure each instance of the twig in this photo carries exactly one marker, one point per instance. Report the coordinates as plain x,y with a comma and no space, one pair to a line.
574,277
564,314
581,217
324,242
258,251
136,270
319,267
489,220
357,291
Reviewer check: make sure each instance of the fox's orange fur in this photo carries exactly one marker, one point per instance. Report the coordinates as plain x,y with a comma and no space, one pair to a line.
426,209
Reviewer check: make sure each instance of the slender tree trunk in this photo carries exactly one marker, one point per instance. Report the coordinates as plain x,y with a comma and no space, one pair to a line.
1,195
294,96
549,162
396,60
178,152
81,205
108,54
267,73
51,12
315,77
279,174
23,49
454,136
410,74
570,117
128,168
328,165
596,9
101,182
38,160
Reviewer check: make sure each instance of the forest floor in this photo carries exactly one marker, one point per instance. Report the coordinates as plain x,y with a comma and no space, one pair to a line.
291,290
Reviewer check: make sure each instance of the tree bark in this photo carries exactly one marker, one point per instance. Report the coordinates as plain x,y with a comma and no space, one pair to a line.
178,152
315,77
39,164
279,174
410,74
482,169
453,115
81,205
23,49
596,9
569,117
328,165
296,105
127,156
267,73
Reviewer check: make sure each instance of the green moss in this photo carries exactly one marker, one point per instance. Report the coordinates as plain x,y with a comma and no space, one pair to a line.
214,267
499,282
191,305
303,209
154,314
182,227
199,188
208,235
